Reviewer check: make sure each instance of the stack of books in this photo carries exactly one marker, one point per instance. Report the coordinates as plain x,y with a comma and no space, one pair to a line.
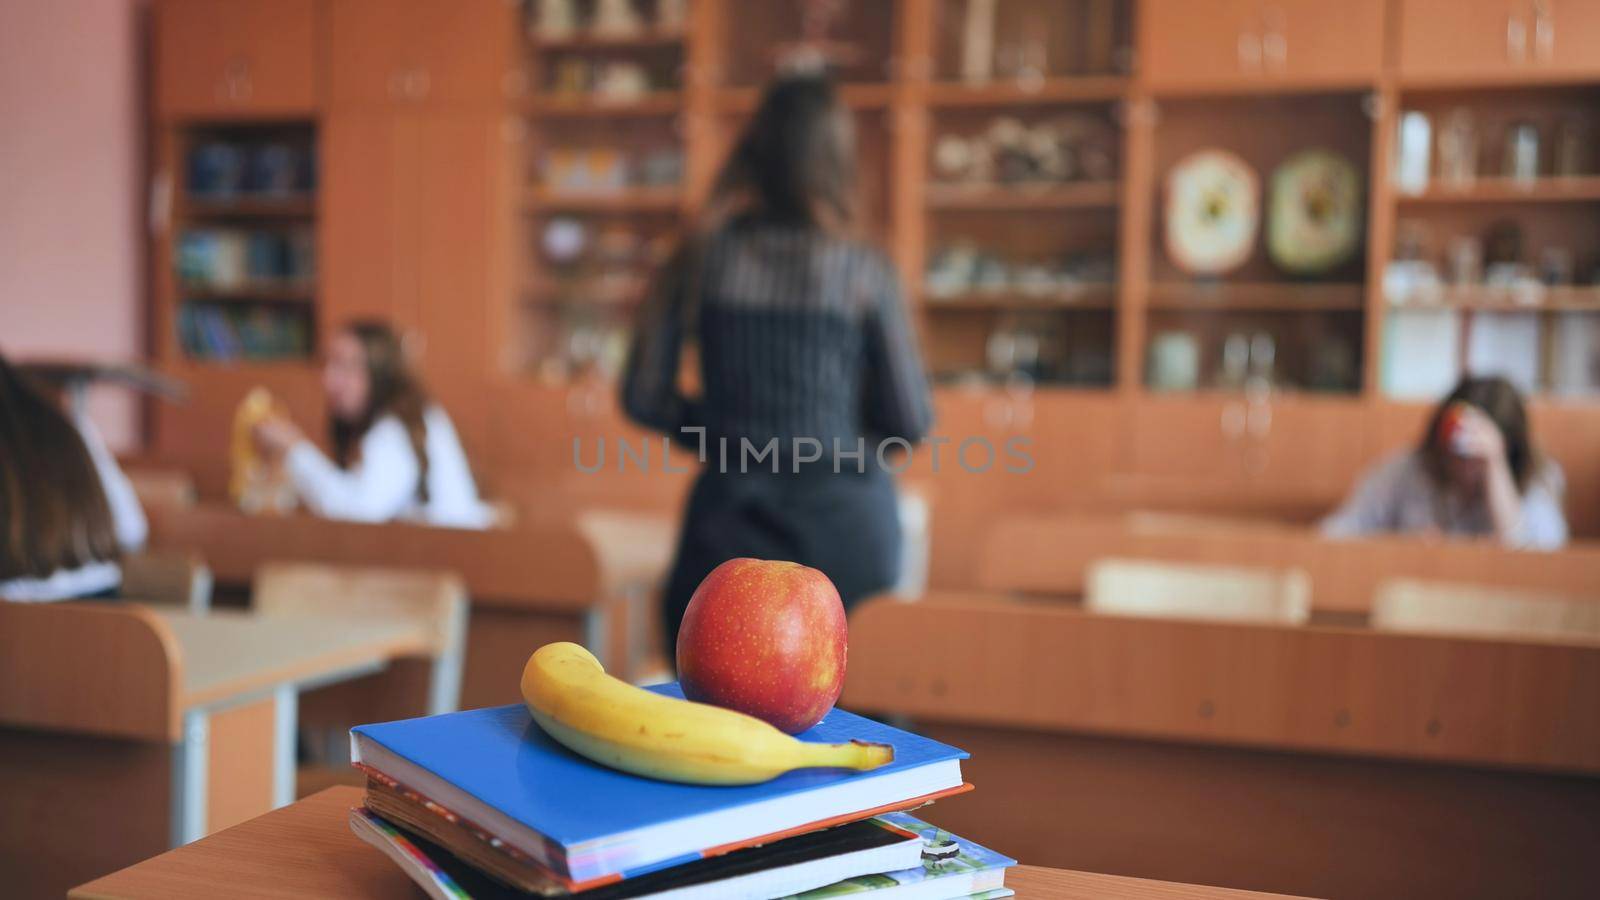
483,804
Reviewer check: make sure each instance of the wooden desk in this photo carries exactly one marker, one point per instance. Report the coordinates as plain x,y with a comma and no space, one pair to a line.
1322,761
307,850
128,729
1049,555
584,578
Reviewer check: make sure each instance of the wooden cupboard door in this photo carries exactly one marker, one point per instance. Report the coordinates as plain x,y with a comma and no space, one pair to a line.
454,221
371,53
367,240
1292,456
1184,43
235,57
1566,36
1466,39
463,50
1316,42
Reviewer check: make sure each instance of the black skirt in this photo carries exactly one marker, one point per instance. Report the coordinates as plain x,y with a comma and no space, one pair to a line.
846,524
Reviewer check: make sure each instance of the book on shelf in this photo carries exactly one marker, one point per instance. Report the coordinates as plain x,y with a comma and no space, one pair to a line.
493,776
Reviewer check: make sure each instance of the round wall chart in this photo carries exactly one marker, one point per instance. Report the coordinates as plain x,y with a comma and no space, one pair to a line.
1314,221
1213,211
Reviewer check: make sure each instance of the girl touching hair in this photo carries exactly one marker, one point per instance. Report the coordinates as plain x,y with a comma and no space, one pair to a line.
396,455
1475,473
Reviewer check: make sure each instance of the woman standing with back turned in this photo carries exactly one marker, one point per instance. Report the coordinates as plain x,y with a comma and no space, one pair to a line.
802,338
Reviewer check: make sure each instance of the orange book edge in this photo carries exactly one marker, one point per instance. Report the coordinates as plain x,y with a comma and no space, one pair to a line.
578,887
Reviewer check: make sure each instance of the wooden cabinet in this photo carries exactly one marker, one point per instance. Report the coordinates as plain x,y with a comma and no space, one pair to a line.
434,52
1486,40
368,248
1566,36
234,58
1288,455
408,236
1187,44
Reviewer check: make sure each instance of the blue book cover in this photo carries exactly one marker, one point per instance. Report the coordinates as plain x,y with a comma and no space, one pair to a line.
499,757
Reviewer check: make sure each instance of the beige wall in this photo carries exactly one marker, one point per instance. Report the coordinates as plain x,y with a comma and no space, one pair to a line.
70,187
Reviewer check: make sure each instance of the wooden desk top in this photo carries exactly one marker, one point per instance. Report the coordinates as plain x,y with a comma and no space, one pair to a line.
552,567
228,654
307,850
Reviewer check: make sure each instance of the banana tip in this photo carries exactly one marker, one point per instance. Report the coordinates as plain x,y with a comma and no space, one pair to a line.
874,755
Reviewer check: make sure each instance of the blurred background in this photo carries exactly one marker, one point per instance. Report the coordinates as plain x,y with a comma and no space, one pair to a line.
1212,259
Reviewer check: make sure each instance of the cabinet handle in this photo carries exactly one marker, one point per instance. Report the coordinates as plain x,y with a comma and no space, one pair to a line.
1234,420
1516,39
1249,51
418,83
1274,45
1544,31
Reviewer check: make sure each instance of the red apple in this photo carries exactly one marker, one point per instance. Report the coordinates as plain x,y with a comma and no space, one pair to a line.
765,638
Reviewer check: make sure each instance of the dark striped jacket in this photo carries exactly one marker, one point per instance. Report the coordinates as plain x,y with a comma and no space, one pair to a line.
800,335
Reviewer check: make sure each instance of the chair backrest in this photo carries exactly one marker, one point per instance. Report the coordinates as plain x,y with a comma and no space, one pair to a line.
107,669
437,598
167,579
1136,587
163,488
1405,604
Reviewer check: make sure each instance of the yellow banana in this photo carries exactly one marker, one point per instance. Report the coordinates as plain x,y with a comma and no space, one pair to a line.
616,724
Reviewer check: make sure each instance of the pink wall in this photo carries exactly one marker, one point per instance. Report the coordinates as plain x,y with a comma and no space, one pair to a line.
70,187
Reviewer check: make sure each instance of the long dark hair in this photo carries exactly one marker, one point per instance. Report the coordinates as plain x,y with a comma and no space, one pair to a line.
52,508
795,162
1499,400
392,390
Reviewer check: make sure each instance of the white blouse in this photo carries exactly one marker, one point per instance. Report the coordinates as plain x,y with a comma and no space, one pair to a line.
382,484
128,524
1400,496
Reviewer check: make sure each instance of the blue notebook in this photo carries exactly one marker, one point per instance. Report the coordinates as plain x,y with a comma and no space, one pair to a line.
498,770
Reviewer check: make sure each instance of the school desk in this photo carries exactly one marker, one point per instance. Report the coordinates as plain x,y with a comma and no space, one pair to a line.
125,730
585,577
307,850
1313,760
1049,554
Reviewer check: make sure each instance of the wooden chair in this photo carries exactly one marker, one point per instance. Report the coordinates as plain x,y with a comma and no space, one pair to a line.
90,742
167,579
1127,587
1404,604
408,687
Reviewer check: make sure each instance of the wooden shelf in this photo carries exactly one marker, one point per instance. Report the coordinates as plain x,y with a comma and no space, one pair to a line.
1073,195
549,292
1098,297
646,39
656,103
1579,189
1088,89
293,292
620,200
1489,299
859,96
300,206
1260,296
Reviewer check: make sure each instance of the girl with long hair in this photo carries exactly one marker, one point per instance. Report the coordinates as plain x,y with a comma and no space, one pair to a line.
395,454
68,512
1474,473
803,342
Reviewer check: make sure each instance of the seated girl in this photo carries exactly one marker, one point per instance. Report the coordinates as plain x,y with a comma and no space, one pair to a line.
1476,473
395,454
66,510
